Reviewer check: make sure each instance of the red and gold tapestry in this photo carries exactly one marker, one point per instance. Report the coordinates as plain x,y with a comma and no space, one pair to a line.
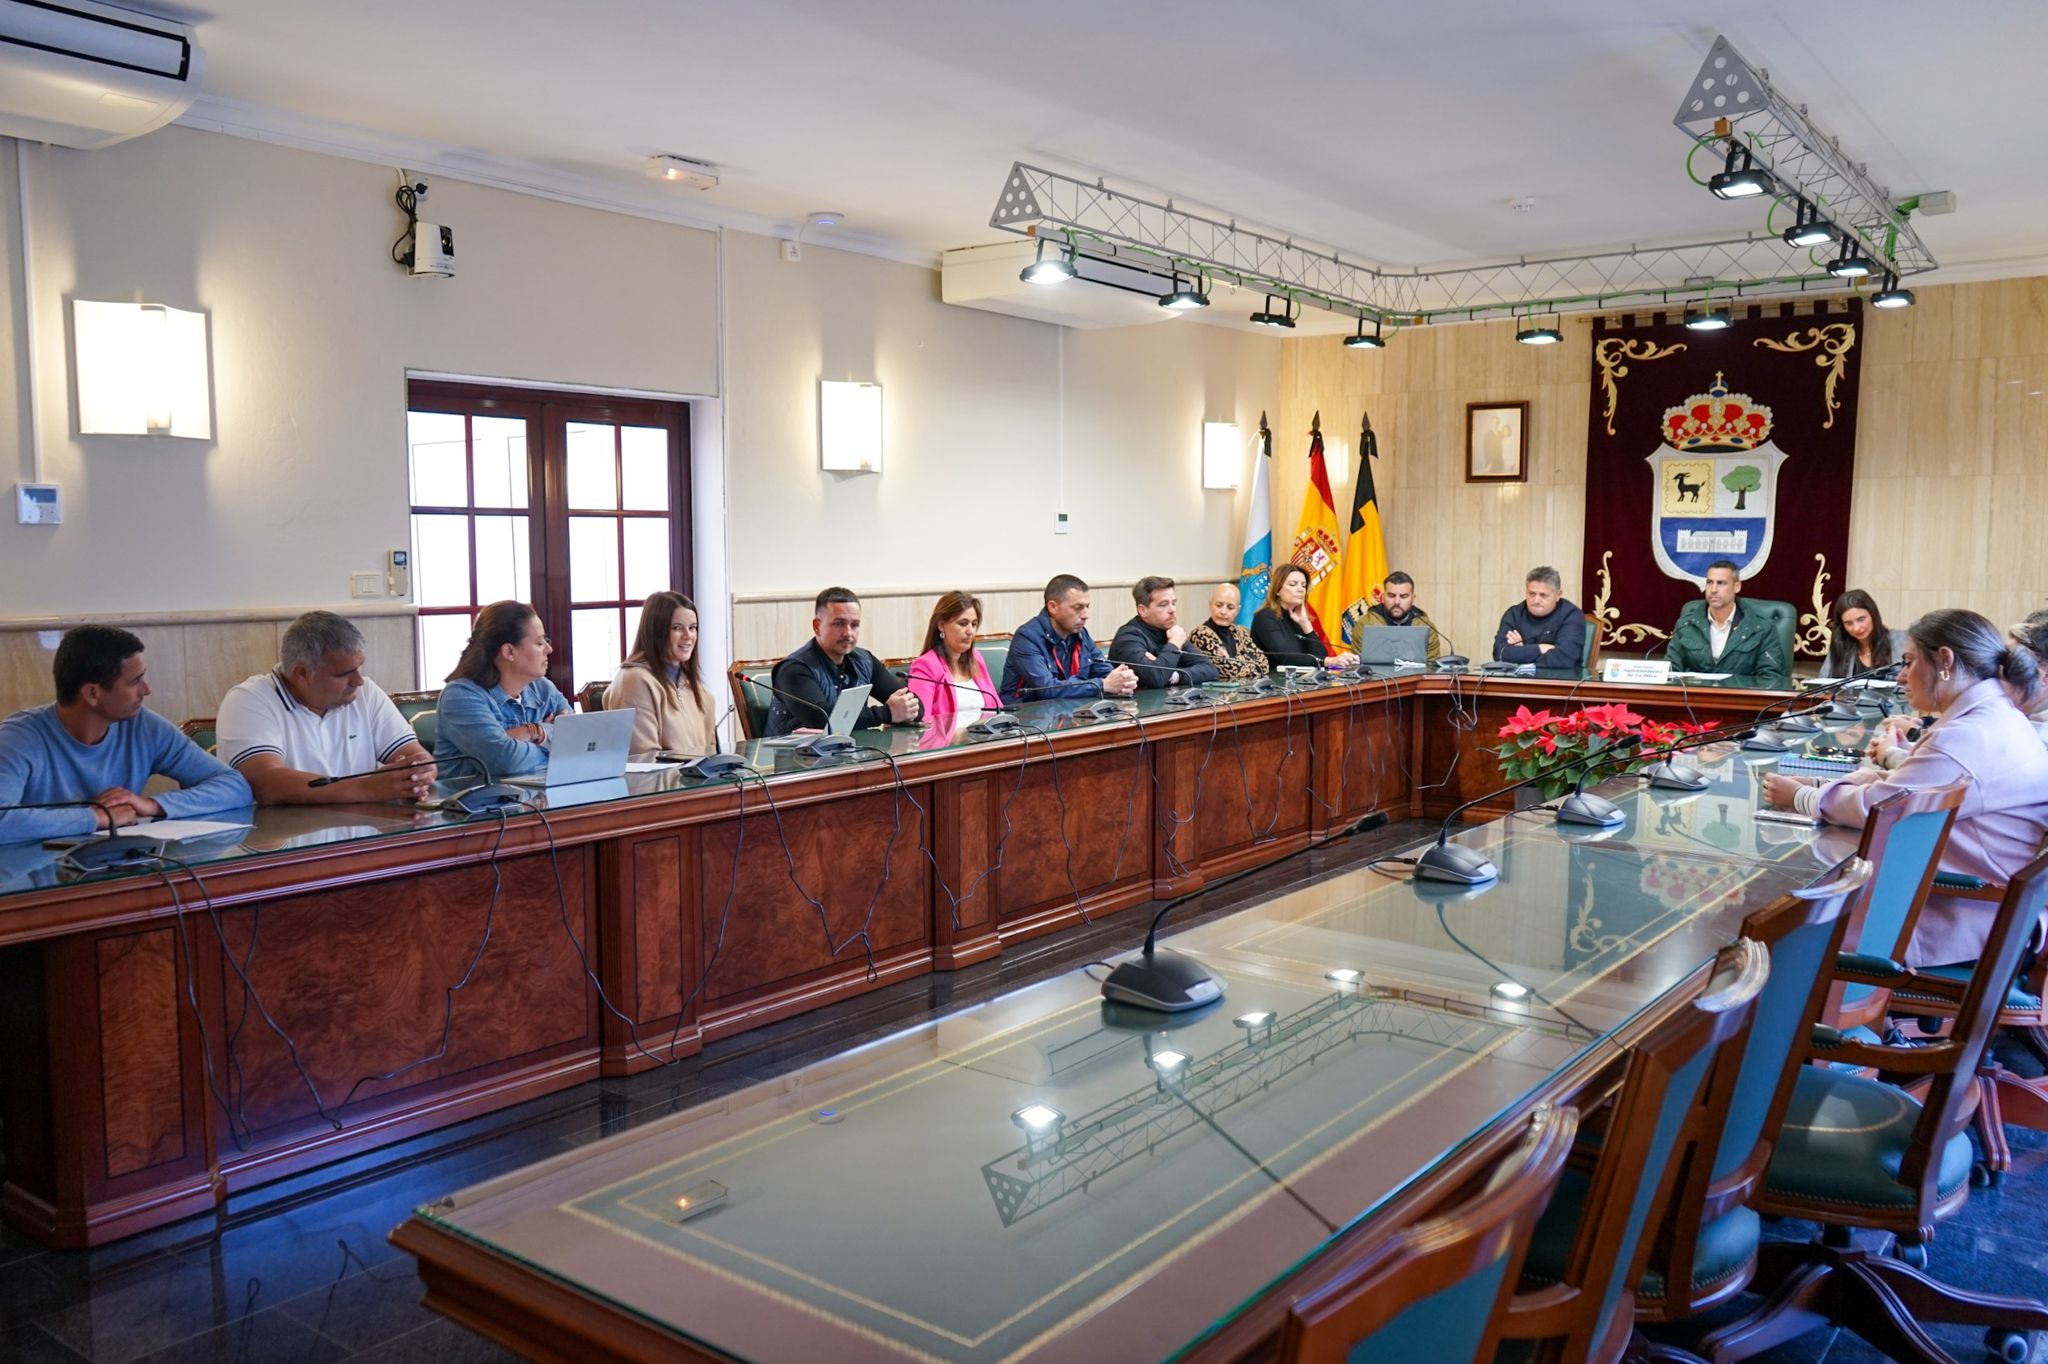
1738,444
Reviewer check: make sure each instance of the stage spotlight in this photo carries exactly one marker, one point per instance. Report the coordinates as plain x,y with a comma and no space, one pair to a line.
1743,181
1892,296
1811,229
1373,342
1182,299
1851,263
1707,318
1043,271
1269,318
1529,334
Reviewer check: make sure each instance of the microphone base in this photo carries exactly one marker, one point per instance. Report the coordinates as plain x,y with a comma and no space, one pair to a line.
1165,981
1456,863
1797,724
1669,776
1583,807
100,853
1764,743
484,800
825,746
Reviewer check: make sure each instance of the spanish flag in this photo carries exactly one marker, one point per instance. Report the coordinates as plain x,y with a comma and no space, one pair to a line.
1365,549
1315,539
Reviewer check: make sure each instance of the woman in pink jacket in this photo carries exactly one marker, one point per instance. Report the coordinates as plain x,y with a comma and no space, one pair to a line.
949,676
1960,668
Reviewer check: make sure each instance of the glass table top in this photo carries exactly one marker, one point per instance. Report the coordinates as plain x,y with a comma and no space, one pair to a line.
31,866
1050,1176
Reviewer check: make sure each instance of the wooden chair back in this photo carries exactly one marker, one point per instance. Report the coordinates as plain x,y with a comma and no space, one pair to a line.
591,697
1903,840
201,730
1589,1314
1751,1083
750,694
1437,1290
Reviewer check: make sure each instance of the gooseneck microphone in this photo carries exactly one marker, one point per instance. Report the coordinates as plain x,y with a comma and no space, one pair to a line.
1171,982
1667,775
1761,742
380,771
1455,862
100,848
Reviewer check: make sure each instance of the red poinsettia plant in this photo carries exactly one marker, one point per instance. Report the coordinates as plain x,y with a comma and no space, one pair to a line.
1536,743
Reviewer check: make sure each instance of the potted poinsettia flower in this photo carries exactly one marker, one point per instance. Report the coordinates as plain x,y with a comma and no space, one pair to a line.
1538,743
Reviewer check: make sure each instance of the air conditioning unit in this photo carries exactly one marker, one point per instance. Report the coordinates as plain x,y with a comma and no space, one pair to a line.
87,75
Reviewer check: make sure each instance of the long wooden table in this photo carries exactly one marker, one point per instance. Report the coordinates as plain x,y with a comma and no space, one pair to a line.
168,1040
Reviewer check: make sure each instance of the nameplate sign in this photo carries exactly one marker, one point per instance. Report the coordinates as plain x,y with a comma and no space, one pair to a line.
1635,670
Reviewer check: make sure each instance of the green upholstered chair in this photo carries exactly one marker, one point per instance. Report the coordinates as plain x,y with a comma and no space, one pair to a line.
411,703
426,727
591,698
1587,1311
995,652
201,731
1706,1246
1782,617
751,694
1438,1289
1902,840
1861,1154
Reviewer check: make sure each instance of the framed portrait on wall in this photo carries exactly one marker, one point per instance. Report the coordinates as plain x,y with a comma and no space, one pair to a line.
1497,442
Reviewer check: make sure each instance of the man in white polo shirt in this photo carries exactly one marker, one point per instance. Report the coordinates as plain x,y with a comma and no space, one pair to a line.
316,715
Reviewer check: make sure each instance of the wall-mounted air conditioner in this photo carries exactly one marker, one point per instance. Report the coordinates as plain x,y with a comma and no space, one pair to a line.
86,75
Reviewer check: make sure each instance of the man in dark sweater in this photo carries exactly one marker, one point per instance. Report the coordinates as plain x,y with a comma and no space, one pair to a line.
1150,642
1543,628
808,682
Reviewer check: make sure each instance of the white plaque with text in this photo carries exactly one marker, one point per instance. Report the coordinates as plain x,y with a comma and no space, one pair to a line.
1635,670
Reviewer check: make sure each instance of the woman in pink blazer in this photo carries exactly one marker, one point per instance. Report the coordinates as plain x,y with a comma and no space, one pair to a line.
949,676
1960,668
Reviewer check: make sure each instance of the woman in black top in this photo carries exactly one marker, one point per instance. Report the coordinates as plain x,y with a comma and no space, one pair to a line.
1287,632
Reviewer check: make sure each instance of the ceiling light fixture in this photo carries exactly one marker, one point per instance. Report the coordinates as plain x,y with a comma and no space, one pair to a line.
1511,989
1851,263
681,170
1745,182
1183,299
1043,271
1892,295
1811,229
1373,342
1269,318
1707,318
1529,334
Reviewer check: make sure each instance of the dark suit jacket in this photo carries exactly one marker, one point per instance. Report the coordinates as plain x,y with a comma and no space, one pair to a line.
1752,651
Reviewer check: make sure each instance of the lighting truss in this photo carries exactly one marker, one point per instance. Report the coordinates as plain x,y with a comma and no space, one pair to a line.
1804,160
1129,230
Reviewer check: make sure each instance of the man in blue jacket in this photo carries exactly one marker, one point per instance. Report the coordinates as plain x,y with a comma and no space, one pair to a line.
97,744
1053,657
1543,628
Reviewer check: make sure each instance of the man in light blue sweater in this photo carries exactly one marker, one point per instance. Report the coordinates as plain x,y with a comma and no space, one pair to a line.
98,744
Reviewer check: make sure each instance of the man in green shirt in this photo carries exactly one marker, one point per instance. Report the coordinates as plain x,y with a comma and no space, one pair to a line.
1714,635
1396,606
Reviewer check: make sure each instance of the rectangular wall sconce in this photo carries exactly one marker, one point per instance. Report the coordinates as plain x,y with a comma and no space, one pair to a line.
142,370
1222,456
850,426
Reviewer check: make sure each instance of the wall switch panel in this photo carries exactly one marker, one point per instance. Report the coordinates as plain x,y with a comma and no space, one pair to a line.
366,584
38,504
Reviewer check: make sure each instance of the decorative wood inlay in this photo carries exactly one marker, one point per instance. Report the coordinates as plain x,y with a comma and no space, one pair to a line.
142,1080
656,900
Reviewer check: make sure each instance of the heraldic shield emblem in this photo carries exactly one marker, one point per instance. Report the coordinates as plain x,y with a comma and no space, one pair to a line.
1716,482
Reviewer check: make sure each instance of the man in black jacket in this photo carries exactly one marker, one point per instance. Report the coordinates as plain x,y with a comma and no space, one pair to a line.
1543,628
808,682
1150,642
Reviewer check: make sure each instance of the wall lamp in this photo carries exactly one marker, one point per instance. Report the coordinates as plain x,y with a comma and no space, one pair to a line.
1054,271
850,426
1743,181
1222,455
142,370
1810,229
1892,295
1181,299
1373,342
1269,318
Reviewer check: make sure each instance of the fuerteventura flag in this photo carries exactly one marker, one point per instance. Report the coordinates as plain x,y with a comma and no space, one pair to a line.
1316,546
1365,547
1255,569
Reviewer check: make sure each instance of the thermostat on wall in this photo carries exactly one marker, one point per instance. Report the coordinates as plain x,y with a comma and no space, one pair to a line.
37,504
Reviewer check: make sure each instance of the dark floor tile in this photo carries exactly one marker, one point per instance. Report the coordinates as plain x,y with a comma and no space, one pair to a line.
265,1338
34,1345
366,1308
117,1322
15,1246
27,1292
442,1342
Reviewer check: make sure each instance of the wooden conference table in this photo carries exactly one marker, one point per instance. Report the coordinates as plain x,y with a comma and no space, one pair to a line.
276,1000
1049,1177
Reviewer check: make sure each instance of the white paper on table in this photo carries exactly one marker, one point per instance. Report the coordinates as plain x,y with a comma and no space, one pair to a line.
180,828
648,767
1702,677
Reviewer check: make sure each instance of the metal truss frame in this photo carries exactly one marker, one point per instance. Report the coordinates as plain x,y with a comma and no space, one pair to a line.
1127,229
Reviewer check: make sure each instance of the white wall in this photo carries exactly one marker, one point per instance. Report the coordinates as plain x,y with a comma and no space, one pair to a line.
313,330
976,449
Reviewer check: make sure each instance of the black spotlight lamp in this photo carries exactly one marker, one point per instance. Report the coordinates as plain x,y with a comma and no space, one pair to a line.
1892,295
1184,297
1283,319
1705,317
1373,342
1529,334
1810,229
1739,179
1043,271
1851,263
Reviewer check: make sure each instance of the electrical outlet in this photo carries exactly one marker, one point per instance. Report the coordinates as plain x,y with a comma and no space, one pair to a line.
366,584
792,251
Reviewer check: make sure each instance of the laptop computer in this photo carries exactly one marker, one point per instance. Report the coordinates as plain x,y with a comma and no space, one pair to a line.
584,748
1386,645
845,711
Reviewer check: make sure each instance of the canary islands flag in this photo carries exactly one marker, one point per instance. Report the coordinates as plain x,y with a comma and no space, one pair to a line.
1255,569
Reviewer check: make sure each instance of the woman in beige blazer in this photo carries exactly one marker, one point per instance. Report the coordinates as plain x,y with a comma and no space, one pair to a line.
659,682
